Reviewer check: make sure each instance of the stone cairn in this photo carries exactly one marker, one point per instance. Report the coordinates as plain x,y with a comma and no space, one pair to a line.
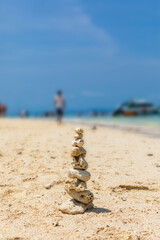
76,185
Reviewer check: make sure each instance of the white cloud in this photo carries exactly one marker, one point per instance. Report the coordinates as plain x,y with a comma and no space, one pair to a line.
67,22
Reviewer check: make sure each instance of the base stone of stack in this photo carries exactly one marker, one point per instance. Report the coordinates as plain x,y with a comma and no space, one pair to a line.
72,206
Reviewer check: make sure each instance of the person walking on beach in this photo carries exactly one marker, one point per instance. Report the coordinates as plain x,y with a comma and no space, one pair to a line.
59,104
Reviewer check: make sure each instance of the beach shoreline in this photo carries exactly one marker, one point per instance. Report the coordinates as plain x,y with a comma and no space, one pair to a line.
125,182
151,130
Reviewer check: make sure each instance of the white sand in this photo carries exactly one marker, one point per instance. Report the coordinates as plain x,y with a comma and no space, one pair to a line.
125,182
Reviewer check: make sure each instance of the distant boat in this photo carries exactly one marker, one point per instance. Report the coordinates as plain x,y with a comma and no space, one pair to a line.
136,108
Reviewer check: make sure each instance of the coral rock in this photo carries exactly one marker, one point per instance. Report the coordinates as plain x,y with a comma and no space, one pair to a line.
85,197
73,207
76,151
75,184
79,163
82,152
78,136
78,143
80,174
79,130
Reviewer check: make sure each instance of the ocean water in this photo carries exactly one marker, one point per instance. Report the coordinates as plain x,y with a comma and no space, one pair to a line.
149,125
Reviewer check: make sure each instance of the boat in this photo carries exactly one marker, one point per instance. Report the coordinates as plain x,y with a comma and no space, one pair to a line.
136,108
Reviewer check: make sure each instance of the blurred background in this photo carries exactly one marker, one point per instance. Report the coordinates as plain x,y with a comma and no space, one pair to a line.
103,55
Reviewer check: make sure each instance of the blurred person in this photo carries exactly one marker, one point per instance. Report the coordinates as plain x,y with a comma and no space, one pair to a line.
79,114
49,114
3,110
59,104
24,113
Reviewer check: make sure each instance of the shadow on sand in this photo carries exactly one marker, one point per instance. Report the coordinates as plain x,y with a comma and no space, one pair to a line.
99,210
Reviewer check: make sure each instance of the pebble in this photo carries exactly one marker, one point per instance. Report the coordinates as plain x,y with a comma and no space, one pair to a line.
123,199
48,186
38,196
56,224
79,130
78,136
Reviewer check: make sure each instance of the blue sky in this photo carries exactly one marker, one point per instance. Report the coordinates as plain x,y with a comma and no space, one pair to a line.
99,53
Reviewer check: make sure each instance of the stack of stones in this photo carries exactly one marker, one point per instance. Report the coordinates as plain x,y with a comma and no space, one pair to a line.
76,185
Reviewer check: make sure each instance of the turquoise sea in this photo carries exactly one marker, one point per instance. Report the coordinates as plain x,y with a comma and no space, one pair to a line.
149,125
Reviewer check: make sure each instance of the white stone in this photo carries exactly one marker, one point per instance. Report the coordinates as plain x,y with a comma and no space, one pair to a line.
48,186
79,163
73,207
80,174
78,142
78,135
77,151
85,197
79,130
75,184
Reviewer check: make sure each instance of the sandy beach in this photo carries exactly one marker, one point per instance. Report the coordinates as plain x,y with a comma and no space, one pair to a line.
125,179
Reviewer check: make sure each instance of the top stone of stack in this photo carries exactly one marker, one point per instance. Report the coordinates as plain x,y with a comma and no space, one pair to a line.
79,130
79,133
